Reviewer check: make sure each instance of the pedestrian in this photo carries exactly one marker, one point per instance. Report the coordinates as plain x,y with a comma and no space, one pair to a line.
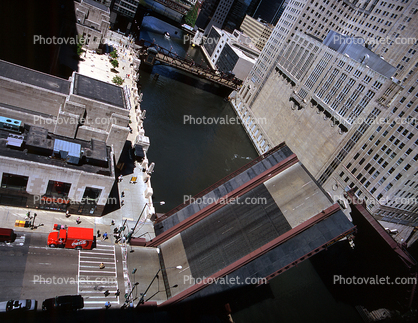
107,305
106,293
67,214
122,202
78,221
123,194
105,236
113,222
120,178
98,233
117,293
102,266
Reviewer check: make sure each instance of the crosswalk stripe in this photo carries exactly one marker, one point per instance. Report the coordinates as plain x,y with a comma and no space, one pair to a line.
94,302
93,282
98,262
95,253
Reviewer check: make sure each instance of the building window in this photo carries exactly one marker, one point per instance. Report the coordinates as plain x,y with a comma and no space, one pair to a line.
57,189
90,199
14,182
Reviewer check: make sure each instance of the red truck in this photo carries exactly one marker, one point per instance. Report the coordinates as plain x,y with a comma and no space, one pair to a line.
7,235
71,237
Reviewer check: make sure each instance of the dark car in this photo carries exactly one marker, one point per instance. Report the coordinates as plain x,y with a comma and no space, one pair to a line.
18,305
66,303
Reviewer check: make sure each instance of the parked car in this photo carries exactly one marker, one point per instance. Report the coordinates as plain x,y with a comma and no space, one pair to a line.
66,303
21,305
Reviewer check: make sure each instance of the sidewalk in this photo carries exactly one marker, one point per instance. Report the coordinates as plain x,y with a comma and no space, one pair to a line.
134,211
137,200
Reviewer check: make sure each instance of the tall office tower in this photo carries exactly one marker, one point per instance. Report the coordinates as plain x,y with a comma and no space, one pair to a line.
125,11
213,13
270,10
236,15
107,3
337,80
224,14
257,30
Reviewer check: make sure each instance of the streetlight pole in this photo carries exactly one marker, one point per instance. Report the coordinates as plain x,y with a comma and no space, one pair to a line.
174,286
33,222
127,297
141,300
129,236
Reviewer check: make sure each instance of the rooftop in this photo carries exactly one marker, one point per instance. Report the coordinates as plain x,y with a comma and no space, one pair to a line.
98,90
29,76
354,48
28,111
36,144
96,4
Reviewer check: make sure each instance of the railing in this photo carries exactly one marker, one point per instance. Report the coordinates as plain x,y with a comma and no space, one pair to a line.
189,65
222,181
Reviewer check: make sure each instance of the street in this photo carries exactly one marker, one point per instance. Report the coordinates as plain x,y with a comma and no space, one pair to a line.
31,270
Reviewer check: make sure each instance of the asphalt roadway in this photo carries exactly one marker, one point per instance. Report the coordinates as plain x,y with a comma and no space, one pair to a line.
31,270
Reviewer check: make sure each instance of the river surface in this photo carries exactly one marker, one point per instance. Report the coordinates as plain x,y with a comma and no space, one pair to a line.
190,147
190,157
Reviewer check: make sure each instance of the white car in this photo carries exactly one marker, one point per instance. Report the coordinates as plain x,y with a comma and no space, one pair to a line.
18,305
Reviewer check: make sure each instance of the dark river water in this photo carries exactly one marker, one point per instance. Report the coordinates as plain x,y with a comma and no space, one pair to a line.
189,153
190,157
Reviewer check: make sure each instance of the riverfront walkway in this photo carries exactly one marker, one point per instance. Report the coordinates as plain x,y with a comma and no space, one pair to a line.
137,202
135,207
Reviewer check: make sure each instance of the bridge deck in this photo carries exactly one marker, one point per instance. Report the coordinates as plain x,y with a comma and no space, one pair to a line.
165,56
196,70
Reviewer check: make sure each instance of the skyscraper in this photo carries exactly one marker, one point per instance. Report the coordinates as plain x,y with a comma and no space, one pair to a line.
224,14
337,80
270,10
123,11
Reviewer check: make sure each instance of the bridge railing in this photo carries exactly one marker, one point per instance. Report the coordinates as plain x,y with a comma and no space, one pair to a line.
210,73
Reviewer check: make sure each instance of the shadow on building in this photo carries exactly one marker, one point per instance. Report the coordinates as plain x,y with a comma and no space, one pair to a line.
28,31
